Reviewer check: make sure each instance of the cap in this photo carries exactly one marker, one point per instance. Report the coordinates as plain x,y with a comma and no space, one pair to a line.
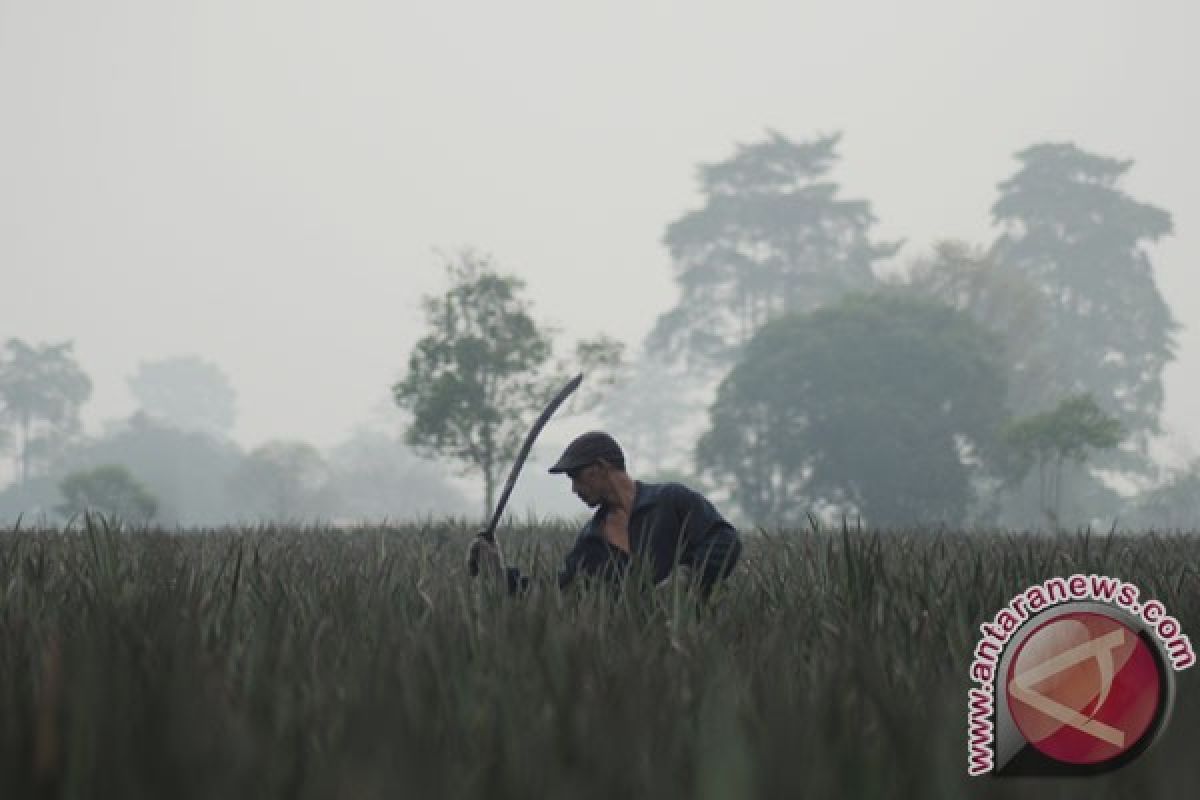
588,448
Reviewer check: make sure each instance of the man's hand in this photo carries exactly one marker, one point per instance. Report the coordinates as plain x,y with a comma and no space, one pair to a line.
682,576
483,556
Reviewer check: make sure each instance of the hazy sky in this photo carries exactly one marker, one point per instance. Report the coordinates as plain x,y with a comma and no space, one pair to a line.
264,183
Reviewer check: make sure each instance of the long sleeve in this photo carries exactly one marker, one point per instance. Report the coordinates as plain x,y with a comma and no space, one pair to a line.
714,555
709,544
590,556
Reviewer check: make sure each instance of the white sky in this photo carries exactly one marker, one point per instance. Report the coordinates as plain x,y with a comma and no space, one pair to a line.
264,182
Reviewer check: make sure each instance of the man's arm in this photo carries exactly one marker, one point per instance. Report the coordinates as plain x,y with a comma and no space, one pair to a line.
590,556
709,545
714,556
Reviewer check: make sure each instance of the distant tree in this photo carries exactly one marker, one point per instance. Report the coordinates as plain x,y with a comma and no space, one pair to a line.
1009,304
1002,300
484,370
283,480
188,472
1069,228
649,412
35,500
1172,505
109,489
41,391
1052,439
376,476
187,392
772,238
885,405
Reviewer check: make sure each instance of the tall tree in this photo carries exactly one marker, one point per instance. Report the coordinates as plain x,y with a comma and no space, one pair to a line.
186,392
885,404
772,238
1067,225
41,391
1002,300
1050,440
484,370
650,410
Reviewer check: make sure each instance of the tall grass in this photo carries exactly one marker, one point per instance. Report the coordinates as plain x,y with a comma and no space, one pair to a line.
321,663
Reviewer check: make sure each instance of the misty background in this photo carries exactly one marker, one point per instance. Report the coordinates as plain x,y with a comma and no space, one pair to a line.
270,189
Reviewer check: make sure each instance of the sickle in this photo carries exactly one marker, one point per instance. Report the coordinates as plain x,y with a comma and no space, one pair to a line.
489,532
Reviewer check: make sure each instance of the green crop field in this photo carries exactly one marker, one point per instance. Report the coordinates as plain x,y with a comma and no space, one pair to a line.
296,663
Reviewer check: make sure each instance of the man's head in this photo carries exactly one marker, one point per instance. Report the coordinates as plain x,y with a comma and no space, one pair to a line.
591,461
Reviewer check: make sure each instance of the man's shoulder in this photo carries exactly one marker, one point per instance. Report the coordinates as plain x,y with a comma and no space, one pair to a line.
669,490
651,492
687,500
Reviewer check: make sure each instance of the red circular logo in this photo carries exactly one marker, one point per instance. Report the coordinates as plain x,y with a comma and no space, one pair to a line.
1083,688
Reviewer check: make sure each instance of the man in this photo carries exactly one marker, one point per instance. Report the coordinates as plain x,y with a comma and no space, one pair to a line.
656,526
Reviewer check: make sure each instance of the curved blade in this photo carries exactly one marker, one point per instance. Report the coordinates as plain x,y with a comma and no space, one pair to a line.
489,532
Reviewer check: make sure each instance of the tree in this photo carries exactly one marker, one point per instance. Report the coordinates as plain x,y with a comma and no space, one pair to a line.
772,238
483,372
1051,439
1068,227
1172,505
36,499
649,411
1007,303
110,489
188,472
41,391
1002,300
283,480
885,404
186,392
375,476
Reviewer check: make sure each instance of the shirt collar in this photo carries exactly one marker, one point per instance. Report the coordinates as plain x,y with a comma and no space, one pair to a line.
645,494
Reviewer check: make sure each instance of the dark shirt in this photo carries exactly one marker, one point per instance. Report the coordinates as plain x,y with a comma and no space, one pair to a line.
668,524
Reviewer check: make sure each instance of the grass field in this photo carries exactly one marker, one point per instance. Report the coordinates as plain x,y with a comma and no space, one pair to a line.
362,664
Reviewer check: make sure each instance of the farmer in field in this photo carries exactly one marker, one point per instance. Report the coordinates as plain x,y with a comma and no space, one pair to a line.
665,528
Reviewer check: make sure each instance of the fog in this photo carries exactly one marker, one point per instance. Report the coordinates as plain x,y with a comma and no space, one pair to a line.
268,185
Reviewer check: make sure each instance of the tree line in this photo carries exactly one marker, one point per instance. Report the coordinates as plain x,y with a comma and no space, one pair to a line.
1016,382
174,462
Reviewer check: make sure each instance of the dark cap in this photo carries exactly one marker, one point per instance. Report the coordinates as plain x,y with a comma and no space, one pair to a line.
588,448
